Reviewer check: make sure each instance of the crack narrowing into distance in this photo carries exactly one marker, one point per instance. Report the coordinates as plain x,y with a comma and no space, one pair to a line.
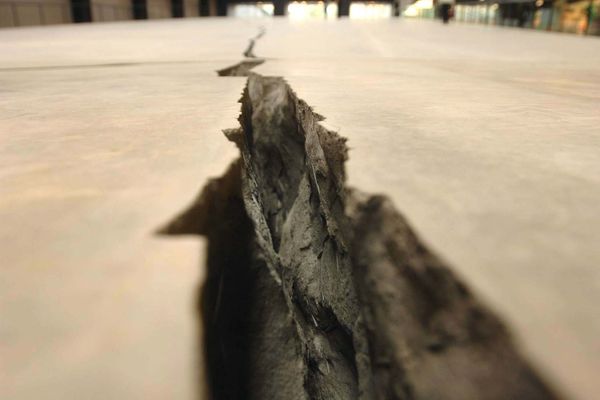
243,67
318,291
240,69
249,52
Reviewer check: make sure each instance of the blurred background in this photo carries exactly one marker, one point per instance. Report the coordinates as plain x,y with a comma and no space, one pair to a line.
569,16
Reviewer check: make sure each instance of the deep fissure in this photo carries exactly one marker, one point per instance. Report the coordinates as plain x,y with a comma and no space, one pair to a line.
318,291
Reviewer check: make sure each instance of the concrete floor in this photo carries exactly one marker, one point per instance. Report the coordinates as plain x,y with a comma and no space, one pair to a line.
486,138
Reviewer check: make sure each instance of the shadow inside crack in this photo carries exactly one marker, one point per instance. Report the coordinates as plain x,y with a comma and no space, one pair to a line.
224,300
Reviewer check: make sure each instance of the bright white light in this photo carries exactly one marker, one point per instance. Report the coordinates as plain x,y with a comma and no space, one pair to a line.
413,9
332,10
306,10
257,10
370,10
299,10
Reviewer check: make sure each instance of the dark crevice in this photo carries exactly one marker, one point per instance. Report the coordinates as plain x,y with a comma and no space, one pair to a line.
240,69
249,52
243,67
317,291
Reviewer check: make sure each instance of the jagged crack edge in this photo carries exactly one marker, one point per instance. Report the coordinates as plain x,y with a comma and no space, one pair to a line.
421,271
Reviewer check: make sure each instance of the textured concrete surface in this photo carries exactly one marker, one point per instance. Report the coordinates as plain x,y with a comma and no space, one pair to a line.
485,138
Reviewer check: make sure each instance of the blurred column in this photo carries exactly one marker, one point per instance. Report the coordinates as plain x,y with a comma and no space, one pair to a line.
204,10
280,7
177,9
343,8
222,8
140,9
81,11
396,4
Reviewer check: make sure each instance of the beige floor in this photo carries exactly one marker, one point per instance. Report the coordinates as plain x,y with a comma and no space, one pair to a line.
487,139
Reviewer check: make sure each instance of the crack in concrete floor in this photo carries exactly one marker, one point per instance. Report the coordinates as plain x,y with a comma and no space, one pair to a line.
318,291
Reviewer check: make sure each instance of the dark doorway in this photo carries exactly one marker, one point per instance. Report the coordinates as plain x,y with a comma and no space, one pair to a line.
177,8
81,11
139,9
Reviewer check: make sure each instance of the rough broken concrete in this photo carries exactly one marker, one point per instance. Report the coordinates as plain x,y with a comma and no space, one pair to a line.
429,337
315,291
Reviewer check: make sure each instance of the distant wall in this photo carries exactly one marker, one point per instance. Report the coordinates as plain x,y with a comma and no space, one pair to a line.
192,8
15,13
111,10
34,12
158,8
